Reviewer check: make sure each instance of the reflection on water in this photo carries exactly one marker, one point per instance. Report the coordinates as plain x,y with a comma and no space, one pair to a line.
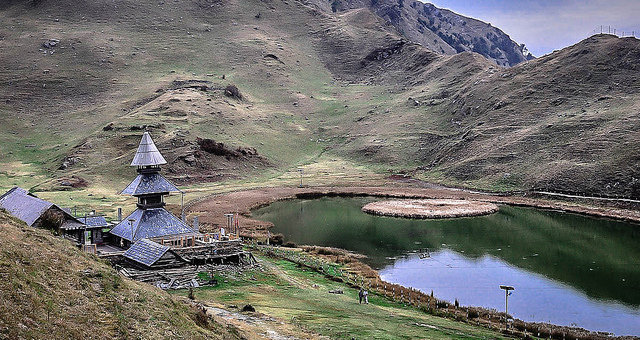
474,282
566,268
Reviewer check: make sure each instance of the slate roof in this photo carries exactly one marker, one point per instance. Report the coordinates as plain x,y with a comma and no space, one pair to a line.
146,252
152,183
147,153
150,223
72,224
29,208
26,207
93,221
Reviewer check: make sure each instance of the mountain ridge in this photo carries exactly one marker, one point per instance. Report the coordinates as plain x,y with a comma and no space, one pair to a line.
441,30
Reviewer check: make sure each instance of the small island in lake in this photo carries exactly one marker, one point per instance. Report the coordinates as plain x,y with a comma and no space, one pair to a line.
430,208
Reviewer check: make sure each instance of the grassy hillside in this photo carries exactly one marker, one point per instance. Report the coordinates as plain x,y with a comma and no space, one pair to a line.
282,290
50,290
564,122
318,89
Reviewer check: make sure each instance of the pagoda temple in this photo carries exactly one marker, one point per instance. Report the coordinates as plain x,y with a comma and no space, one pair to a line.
151,220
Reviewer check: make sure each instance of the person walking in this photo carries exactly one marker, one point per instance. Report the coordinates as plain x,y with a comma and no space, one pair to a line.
366,297
361,295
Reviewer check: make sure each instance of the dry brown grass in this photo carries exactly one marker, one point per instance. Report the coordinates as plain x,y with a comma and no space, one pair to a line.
430,208
50,290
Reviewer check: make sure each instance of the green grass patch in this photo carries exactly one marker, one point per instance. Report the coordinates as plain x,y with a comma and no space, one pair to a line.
301,296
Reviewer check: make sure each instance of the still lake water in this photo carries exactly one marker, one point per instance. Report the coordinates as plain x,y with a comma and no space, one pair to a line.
567,269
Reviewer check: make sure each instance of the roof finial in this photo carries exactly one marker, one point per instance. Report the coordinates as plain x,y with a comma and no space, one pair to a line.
148,153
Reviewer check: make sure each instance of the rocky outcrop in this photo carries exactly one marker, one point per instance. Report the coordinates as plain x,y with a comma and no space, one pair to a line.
443,31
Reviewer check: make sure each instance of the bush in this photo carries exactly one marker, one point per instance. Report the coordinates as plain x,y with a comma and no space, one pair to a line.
201,318
276,239
441,304
213,147
232,91
543,333
52,220
557,334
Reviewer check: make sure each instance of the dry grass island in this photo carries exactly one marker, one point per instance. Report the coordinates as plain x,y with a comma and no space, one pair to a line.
430,208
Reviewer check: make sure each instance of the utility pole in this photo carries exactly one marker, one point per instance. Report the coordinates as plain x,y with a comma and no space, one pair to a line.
182,207
301,171
506,303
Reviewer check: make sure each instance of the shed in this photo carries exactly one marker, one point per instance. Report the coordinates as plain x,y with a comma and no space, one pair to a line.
36,212
150,254
94,226
24,205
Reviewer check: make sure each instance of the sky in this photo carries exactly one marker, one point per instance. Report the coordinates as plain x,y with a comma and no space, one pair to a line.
548,25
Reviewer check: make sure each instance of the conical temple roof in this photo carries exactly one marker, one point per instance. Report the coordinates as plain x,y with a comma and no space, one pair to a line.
146,184
148,153
150,223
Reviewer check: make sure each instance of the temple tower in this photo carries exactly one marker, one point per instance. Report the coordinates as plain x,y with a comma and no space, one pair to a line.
151,220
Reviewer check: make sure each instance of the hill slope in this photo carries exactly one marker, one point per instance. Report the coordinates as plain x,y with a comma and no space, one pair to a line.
49,290
564,122
315,84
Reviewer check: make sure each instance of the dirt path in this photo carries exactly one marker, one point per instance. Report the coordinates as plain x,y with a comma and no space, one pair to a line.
292,281
255,325
212,209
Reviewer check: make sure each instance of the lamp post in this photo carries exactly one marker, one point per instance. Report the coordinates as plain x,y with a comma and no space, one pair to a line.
301,171
506,302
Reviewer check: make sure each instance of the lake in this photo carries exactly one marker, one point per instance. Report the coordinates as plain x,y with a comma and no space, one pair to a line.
567,269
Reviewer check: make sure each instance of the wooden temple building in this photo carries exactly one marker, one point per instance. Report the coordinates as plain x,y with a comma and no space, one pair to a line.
150,243
152,237
85,231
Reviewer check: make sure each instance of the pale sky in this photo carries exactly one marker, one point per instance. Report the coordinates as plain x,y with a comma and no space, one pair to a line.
547,25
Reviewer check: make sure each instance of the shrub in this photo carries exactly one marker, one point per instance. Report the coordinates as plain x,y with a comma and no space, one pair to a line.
441,304
201,318
213,147
557,334
276,239
52,219
232,91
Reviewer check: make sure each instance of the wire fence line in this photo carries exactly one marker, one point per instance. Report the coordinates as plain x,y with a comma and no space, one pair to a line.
608,29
